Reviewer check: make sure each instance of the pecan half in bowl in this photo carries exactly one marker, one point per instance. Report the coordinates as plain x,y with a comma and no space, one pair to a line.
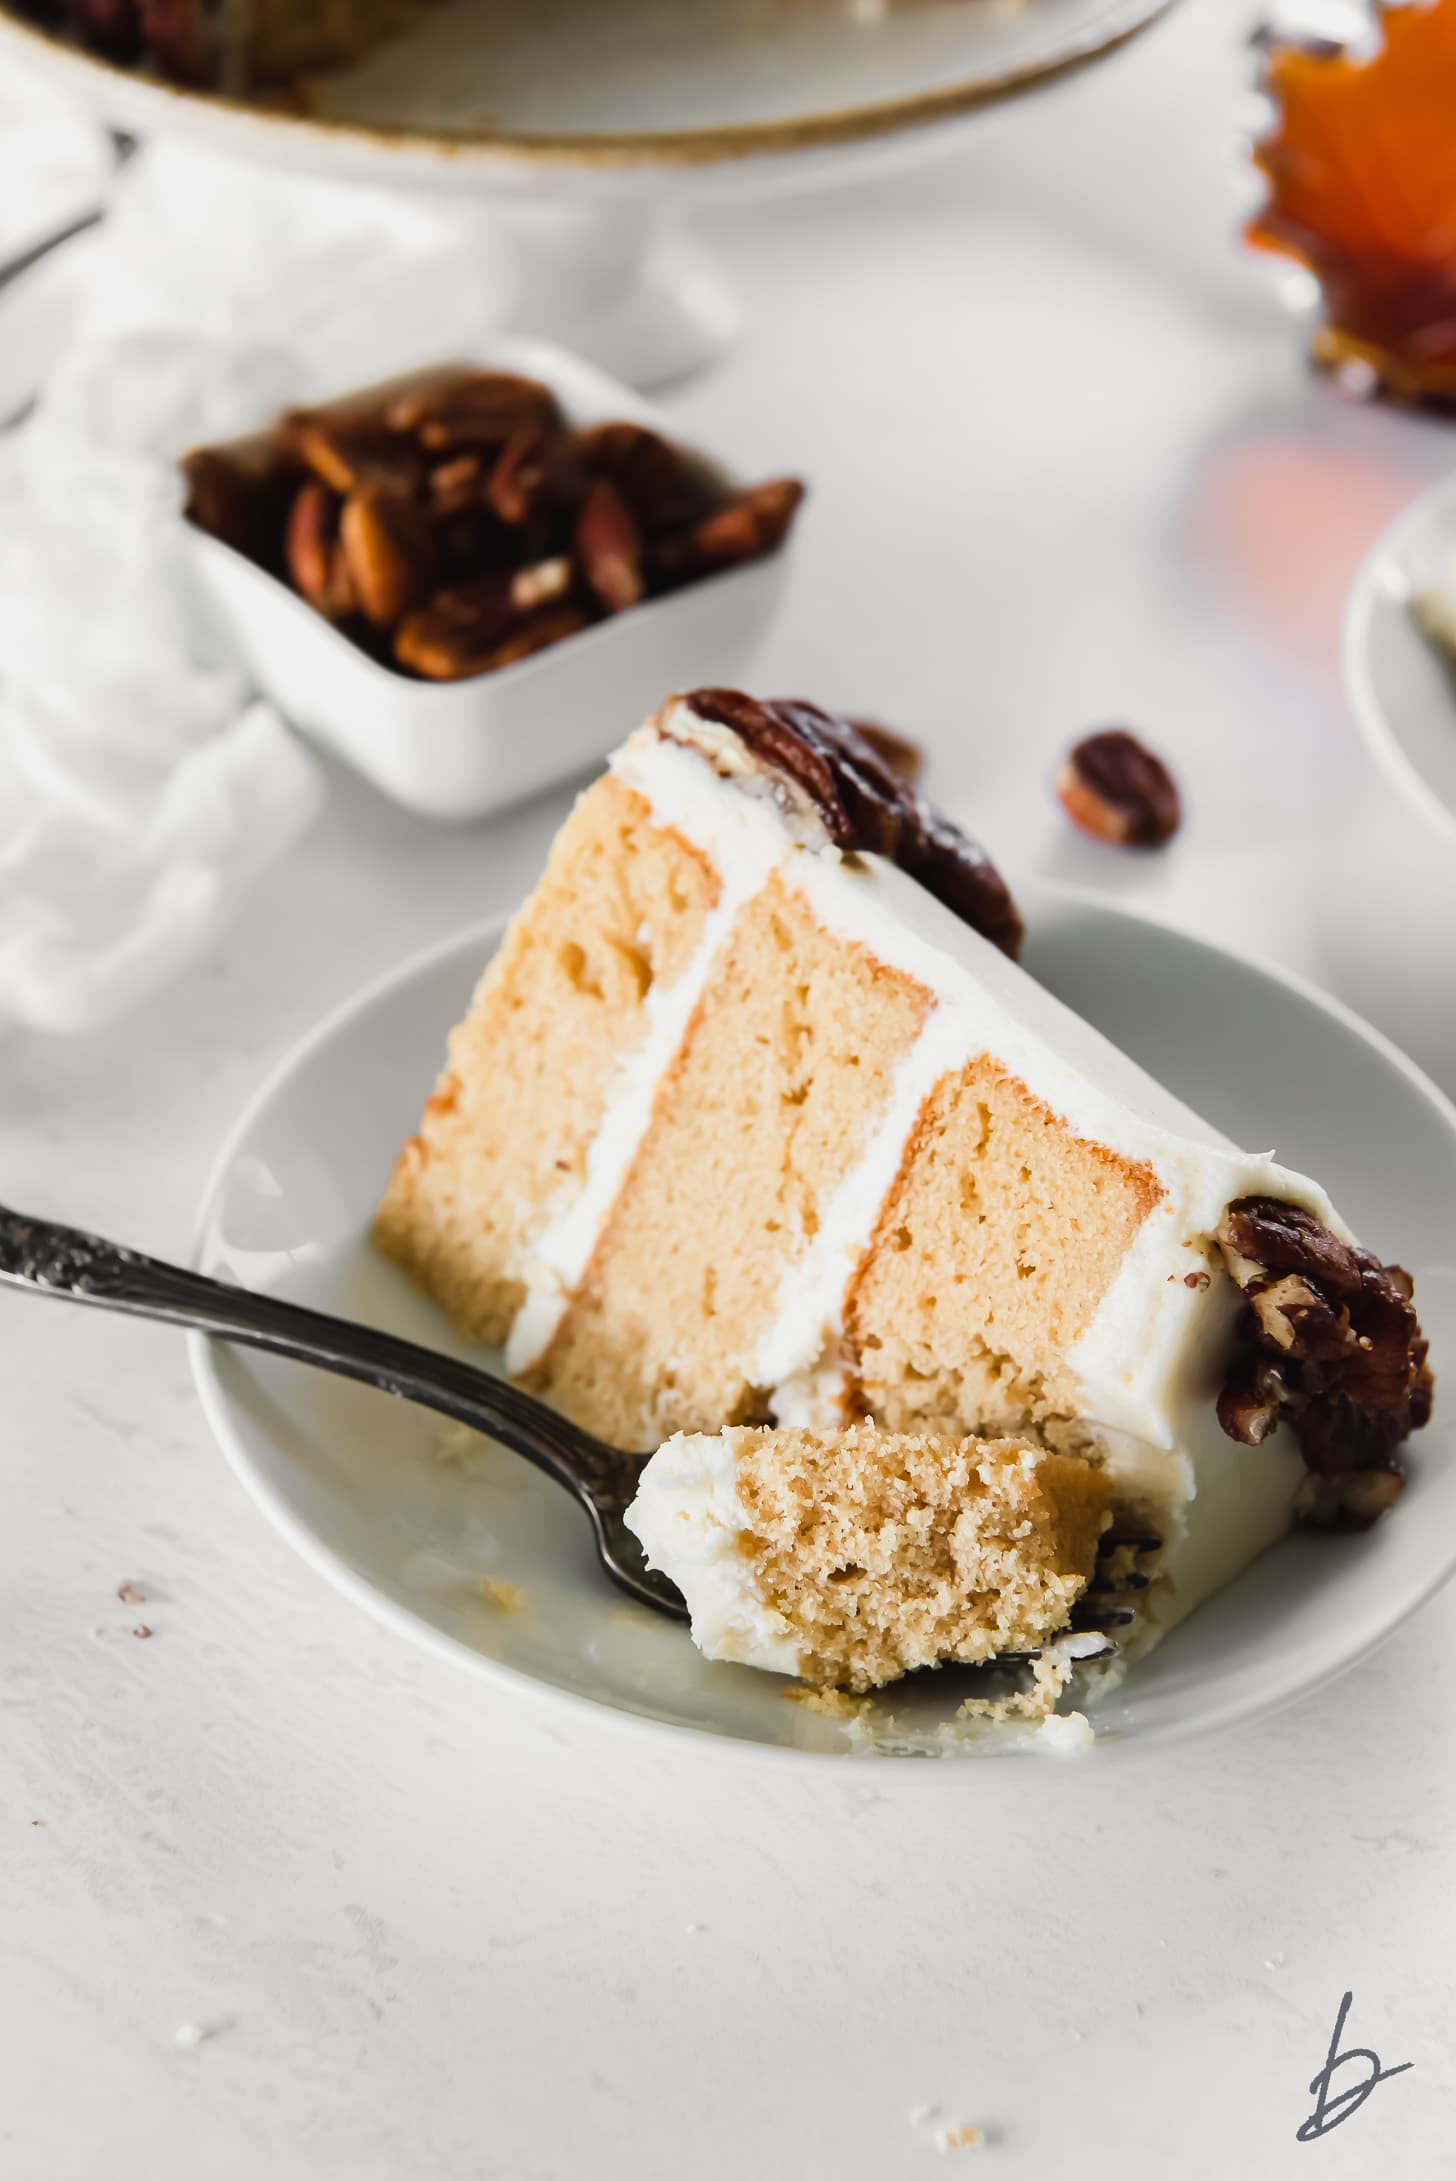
468,582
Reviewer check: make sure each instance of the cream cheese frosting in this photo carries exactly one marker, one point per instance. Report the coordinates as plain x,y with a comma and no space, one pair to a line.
690,1520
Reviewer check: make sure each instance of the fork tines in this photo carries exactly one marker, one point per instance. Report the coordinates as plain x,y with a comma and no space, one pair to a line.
1095,1614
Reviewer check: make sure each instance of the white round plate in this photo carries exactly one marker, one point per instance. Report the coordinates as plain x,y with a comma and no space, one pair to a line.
363,1486
470,97
1402,690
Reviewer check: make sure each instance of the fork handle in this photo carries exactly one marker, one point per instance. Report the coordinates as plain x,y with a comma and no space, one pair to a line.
47,1259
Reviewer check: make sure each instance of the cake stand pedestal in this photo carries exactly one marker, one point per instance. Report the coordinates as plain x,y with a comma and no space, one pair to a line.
621,281
606,125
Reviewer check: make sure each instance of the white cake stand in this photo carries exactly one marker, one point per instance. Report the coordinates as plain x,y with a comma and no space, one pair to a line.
592,130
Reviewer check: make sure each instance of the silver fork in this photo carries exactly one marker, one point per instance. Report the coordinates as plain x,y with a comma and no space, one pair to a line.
45,1259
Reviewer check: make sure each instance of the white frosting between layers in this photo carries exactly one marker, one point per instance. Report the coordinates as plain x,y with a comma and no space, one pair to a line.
1150,1362
747,852
690,1520
799,1355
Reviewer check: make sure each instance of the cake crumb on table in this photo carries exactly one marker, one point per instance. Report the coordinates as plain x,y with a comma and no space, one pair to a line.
130,1594
964,2138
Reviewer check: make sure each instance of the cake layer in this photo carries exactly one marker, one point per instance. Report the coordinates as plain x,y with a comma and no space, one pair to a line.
993,1252
854,1557
782,1076
581,988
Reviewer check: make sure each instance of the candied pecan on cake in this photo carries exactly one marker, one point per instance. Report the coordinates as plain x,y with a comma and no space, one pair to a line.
906,759
1330,1341
867,805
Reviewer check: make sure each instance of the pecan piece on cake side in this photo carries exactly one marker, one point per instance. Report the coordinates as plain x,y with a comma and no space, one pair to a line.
1328,1341
906,759
865,805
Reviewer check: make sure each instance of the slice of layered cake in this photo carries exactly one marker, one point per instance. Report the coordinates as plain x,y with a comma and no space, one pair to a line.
754,1120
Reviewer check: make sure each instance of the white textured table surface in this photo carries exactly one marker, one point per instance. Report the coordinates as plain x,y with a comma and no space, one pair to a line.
1068,468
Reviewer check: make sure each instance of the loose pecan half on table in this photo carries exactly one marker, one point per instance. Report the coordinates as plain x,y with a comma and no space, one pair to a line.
1116,789
460,523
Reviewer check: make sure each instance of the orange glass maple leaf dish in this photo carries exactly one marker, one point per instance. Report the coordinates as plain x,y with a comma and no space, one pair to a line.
1361,167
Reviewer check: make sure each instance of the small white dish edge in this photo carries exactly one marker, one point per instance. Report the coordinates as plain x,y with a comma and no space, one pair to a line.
456,751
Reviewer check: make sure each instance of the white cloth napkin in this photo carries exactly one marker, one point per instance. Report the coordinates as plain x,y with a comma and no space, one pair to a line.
141,790
55,162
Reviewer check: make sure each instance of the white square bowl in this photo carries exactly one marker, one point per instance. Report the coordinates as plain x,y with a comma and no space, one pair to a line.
457,750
